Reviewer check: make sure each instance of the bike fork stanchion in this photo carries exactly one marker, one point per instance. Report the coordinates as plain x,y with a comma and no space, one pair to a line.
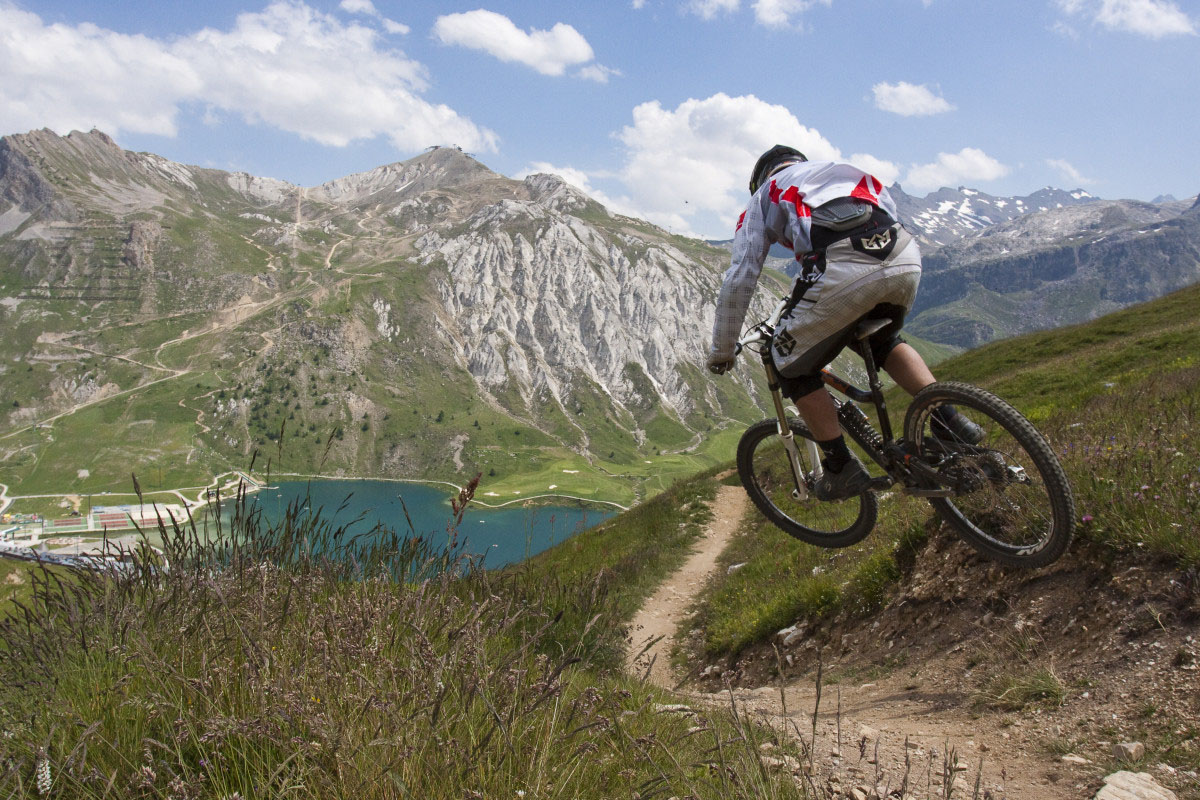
789,438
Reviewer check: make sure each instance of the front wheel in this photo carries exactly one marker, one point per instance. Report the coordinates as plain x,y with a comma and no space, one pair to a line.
1012,500
766,473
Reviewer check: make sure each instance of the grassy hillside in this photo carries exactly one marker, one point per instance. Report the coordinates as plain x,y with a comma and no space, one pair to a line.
299,378
368,675
382,669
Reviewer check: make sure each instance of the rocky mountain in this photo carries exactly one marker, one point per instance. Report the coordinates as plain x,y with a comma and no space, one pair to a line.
947,215
1056,267
427,317
998,266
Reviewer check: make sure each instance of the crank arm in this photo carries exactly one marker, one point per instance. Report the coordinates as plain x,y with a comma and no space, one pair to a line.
929,492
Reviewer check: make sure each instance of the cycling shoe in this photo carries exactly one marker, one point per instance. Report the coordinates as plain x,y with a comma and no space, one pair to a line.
852,480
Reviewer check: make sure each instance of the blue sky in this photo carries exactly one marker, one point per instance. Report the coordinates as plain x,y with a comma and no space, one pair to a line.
656,107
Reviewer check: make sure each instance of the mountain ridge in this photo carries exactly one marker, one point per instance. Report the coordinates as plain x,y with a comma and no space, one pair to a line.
398,310
1058,267
946,215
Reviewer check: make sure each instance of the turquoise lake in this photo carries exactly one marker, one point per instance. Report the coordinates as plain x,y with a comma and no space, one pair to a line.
500,536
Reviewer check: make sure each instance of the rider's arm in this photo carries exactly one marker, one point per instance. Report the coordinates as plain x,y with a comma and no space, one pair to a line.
750,246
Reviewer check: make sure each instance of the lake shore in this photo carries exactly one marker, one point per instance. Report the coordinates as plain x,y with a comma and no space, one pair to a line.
475,500
26,532
503,533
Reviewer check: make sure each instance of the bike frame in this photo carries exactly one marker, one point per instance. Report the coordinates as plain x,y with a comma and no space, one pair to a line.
915,477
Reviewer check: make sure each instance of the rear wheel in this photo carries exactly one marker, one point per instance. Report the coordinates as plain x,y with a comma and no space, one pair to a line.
1013,502
766,473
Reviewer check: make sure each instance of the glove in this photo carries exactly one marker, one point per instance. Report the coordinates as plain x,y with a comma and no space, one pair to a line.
720,367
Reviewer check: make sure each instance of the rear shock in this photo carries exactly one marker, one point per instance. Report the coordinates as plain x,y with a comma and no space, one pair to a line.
855,422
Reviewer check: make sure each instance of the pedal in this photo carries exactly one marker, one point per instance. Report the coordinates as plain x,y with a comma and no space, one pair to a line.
880,483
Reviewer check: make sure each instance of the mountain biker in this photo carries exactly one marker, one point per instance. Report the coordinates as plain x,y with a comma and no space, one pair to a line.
857,262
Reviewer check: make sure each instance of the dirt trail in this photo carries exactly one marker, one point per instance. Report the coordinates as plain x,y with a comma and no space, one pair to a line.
885,733
655,622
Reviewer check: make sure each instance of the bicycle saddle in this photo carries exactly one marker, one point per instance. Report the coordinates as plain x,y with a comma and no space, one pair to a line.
869,326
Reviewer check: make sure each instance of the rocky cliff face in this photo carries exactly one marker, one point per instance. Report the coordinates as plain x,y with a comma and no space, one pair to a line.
24,190
538,308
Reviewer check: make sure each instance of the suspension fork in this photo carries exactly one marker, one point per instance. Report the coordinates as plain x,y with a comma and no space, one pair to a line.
800,492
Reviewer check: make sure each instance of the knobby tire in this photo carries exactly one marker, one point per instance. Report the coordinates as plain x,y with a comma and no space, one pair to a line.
763,467
1017,506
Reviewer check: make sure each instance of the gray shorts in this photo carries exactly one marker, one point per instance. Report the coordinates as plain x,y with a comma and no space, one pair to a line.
854,287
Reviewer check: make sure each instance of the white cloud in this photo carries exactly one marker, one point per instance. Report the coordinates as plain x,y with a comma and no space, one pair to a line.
598,73
300,70
1152,18
909,100
63,77
367,8
886,171
708,9
549,52
969,165
700,153
1068,171
289,66
687,168
638,5
771,13
779,13
358,7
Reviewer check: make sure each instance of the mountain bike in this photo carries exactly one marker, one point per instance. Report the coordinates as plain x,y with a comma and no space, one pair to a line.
1006,495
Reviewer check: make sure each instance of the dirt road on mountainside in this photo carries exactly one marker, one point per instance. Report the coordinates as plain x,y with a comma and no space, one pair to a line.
887,734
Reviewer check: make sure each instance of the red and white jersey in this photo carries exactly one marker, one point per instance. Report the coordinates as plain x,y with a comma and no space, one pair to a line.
781,211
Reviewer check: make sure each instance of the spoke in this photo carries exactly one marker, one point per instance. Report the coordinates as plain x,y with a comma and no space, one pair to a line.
1011,513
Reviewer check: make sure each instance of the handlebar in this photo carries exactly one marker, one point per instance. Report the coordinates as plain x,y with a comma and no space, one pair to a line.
763,331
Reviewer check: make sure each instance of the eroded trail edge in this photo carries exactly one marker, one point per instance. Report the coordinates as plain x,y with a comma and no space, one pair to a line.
873,737
656,621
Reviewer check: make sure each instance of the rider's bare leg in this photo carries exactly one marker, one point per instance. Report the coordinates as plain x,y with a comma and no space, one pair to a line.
903,364
819,414
907,368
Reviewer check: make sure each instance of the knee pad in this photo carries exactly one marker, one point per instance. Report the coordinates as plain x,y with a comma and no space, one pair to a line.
883,347
799,386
